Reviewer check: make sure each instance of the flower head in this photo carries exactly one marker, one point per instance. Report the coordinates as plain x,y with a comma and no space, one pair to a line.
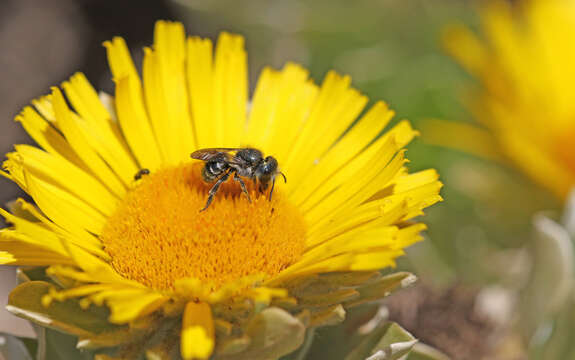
141,247
525,100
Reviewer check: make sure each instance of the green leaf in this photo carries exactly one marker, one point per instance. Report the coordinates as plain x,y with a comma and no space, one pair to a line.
232,346
352,278
558,344
273,333
382,288
12,347
26,301
322,284
165,350
31,274
109,338
551,279
328,299
568,219
327,316
421,351
387,342
54,345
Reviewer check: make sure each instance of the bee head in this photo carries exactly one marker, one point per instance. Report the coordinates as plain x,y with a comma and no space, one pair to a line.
267,170
269,166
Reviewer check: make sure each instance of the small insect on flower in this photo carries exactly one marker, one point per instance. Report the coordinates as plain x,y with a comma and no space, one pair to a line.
250,163
141,173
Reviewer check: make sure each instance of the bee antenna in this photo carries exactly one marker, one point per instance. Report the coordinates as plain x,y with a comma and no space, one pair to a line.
282,174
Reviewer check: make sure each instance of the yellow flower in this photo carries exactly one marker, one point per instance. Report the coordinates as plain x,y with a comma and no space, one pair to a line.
524,64
144,250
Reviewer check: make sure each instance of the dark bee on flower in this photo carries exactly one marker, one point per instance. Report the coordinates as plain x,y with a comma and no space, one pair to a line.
221,163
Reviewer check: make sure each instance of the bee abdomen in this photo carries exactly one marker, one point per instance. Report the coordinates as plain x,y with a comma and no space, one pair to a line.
213,169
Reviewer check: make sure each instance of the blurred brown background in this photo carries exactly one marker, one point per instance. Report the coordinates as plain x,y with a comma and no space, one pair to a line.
44,42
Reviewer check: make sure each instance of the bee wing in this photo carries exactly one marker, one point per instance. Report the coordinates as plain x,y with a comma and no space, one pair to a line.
209,153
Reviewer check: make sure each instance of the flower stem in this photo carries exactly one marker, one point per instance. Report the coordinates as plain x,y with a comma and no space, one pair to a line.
302,354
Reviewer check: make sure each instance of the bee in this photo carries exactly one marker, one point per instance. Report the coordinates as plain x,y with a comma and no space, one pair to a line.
221,163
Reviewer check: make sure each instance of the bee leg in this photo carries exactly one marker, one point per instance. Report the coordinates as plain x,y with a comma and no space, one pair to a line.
141,173
243,186
272,189
215,189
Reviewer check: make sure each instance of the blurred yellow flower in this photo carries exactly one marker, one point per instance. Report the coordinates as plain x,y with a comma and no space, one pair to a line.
143,249
524,63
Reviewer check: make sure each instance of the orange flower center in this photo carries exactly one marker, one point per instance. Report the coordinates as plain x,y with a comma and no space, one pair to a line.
158,234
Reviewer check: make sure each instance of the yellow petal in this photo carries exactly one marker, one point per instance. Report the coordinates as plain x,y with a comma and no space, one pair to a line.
85,100
79,141
336,107
119,59
199,74
166,94
375,260
539,165
135,124
101,131
84,290
93,269
65,175
392,141
264,295
66,210
376,214
17,252
351,241
338,263
36,234
132,114
47,136
169,47
358,188
467,49
280,106
130,304
45,107
6,258
412,181
344,151
462,136
230,90
197,331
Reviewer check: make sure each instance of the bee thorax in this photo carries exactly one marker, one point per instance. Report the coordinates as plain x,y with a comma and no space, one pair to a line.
245,172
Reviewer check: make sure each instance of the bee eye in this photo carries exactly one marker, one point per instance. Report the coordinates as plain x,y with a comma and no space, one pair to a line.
270,160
